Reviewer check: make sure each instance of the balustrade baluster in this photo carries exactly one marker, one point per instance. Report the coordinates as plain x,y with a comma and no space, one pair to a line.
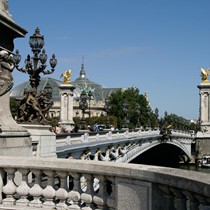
194,203
75,193
101,197
168,198
180,199
61,193
23,188
36,190
111,200
87,195
10,188
49,192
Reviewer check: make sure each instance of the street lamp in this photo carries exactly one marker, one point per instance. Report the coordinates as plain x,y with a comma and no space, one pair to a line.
148,117
138,112
37,63
125,111
83,105
156,116
35,106
107,108
90,94
48,102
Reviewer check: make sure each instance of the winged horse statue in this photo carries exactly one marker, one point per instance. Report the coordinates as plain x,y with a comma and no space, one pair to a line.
66,76
204,75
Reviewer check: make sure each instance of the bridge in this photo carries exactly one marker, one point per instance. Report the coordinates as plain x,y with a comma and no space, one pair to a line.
124,146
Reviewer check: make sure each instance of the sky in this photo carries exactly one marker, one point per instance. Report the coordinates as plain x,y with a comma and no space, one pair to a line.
157,46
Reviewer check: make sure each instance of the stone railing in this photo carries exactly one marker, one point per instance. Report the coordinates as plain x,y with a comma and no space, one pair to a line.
88,137
35,183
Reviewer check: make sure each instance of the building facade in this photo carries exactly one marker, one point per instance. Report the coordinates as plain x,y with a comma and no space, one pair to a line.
96,94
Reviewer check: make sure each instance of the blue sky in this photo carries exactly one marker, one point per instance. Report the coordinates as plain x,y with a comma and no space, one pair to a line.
156,45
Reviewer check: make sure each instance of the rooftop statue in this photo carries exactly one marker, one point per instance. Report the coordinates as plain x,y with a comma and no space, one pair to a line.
66,76
204,75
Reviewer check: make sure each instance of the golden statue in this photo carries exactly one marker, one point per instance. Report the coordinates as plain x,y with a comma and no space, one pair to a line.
204,75
66,76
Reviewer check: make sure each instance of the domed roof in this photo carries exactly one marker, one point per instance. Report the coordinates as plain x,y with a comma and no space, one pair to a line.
81,83
17,92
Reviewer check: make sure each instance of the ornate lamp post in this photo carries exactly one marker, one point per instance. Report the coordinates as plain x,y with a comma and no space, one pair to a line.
83,105
37,63
90,94
107,108
125,111
138,112
48,100
148,117
156,117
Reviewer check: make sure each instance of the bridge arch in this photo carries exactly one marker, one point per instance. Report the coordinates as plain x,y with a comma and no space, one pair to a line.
169,153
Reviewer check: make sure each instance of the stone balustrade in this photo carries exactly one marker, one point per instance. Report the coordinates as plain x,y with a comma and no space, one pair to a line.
87,137
36,183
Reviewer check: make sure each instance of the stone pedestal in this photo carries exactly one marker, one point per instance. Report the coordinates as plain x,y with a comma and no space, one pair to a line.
203,136
14,139
66,108
43,140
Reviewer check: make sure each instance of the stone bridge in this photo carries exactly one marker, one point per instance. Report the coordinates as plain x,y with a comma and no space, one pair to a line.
122,146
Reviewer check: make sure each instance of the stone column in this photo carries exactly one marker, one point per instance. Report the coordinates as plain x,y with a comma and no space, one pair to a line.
66,107
14,139
203,136
204,89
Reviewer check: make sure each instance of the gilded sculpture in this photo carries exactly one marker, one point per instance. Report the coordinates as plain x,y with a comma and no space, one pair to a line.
205,75
66,76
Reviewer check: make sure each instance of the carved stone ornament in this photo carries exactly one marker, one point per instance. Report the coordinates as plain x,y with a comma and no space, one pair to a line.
6,68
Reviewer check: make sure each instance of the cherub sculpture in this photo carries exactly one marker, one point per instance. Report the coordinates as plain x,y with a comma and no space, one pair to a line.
204,74
66,76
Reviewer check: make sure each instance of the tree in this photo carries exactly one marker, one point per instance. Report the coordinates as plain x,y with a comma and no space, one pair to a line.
131,97
177,122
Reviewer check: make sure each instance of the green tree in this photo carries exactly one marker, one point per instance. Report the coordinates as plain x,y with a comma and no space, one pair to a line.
132,97
177,122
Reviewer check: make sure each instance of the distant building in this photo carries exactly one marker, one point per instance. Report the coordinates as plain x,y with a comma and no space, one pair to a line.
96,102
